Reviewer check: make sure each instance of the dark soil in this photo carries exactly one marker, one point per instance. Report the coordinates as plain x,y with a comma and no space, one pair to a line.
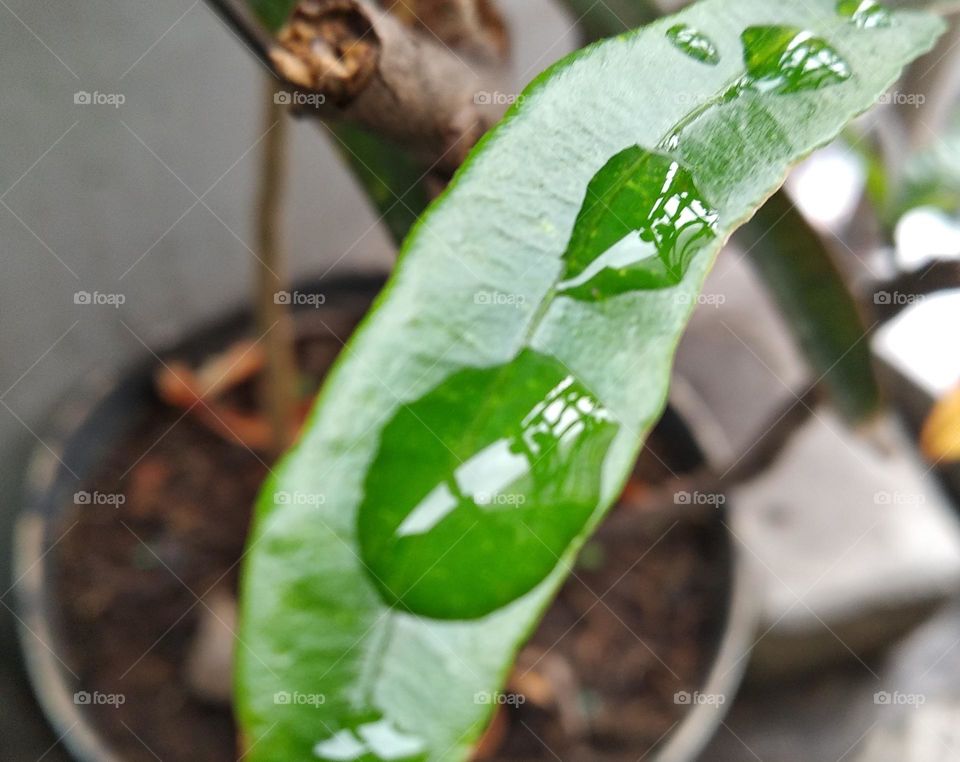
622,638
598,677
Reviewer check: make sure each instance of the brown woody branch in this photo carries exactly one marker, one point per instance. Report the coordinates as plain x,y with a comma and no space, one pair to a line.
473,27
399,80
410,72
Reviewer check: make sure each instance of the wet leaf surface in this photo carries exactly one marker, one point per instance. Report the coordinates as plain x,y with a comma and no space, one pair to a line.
517,352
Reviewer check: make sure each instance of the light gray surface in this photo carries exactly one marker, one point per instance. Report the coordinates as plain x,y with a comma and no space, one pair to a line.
738,354
842,524
99,199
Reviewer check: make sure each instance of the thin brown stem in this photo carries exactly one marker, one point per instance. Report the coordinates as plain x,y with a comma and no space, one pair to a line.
274,321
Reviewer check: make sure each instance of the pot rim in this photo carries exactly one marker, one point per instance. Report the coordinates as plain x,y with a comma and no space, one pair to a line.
700,725
51,678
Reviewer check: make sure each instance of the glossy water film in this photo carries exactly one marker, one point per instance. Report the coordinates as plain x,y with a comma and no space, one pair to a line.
784,60
866,14
642,221
694,43
461,516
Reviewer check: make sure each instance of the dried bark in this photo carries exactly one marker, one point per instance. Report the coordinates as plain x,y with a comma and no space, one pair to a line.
473,27
418,73
395,73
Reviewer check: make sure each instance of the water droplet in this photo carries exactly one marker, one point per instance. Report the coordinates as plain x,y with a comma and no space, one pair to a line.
783,59
695,44
641,223
462,516
373,741
866,14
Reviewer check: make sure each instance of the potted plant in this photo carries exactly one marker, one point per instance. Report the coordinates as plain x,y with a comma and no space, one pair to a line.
484,417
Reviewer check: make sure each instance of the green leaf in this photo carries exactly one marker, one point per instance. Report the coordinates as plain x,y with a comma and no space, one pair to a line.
931,177
393,181
798,269
487,413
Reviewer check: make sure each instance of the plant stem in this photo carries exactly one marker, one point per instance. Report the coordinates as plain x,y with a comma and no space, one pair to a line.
274,321
393,181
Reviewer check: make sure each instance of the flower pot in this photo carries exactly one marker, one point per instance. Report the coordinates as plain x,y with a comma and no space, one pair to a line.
110,576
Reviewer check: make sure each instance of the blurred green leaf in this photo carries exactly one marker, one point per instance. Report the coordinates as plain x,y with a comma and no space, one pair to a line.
611,17
931,177
798,269
393,181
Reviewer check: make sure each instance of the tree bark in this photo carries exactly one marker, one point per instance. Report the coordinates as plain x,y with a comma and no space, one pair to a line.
418,74
472,27
403,84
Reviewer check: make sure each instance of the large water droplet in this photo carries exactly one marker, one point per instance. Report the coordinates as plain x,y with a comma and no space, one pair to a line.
641,223
463,514
694,43
783,59
377,740
866,14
